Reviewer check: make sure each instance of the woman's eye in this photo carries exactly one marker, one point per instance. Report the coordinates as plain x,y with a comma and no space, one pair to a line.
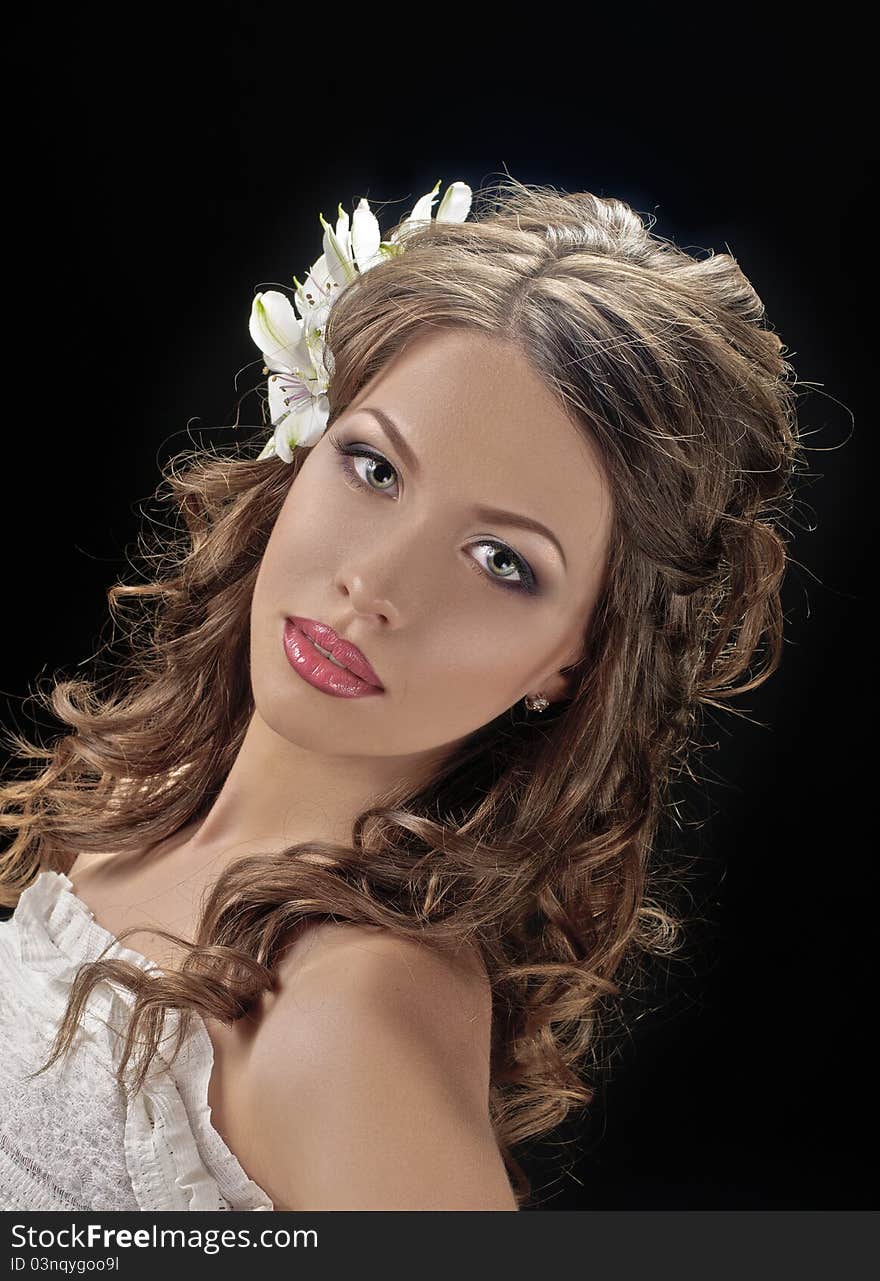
377,469
378,462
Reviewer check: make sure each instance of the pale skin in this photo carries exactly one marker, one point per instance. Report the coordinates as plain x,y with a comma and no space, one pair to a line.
363,1082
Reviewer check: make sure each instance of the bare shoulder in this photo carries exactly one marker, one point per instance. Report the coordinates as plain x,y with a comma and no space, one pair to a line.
447,990
368,1081
345,971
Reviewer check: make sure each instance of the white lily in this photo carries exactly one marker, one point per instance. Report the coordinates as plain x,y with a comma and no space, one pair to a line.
277,332
298,407
454,207
293,347
302,419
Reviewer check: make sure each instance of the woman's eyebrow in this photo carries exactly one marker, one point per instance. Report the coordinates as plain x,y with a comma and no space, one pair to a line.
396,436
491,514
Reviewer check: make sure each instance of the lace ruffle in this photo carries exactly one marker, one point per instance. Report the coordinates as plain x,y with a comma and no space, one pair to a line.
175,1157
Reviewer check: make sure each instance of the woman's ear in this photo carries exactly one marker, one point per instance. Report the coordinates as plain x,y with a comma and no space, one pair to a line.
556,688
560,684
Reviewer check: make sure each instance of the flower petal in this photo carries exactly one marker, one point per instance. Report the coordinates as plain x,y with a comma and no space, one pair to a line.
339,263
283,390
454,207
342,231
314,296
311,420
456,203
279,439
303,426
421,210
276,330
365,236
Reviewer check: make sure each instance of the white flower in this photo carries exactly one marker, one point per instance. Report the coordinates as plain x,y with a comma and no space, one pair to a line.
454,207
293,347
297,402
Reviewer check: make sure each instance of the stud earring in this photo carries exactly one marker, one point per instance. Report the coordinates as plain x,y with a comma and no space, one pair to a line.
536,702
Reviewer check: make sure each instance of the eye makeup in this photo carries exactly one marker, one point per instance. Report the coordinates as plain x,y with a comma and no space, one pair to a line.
527,584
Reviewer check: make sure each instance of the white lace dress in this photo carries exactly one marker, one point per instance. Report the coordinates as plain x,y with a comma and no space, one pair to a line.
68,1138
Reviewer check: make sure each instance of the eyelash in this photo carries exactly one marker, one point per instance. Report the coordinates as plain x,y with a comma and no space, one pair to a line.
529,585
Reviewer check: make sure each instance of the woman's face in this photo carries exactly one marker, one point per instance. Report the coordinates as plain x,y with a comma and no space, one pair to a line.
461,613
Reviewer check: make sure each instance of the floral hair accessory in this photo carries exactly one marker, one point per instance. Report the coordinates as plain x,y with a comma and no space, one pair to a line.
293,346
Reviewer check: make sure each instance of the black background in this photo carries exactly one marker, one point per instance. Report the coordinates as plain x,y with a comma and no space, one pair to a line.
161,171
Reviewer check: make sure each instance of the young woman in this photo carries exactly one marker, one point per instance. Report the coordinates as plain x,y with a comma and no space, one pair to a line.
378,784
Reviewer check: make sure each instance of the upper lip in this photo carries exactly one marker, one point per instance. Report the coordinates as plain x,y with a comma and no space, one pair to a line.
342,650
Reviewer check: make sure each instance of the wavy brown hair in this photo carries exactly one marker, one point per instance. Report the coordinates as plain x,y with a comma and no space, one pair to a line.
539,837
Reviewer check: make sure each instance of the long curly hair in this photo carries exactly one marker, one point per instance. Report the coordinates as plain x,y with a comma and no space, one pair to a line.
540,837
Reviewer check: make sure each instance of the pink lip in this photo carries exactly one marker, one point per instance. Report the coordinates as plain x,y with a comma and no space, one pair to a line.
318,670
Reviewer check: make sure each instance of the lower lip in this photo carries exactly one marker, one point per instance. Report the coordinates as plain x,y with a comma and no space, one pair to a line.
318,671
